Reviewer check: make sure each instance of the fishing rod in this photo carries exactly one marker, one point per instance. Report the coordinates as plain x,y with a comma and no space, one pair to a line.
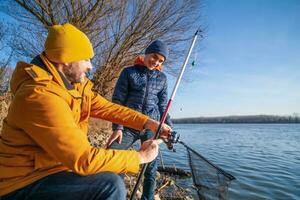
165,114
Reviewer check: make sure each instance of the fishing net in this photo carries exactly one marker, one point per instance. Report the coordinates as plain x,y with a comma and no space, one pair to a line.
198,179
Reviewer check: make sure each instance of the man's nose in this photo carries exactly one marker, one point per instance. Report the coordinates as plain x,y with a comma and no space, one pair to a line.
89,66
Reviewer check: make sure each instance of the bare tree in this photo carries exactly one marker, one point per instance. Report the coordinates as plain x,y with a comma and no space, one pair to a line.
6,56
118,29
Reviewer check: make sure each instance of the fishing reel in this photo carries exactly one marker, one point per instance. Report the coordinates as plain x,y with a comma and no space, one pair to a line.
173,139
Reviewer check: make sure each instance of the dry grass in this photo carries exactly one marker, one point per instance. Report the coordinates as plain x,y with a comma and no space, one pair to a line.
99,132
5,100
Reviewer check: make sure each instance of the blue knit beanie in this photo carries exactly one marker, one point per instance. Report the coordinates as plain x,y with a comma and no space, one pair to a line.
158,47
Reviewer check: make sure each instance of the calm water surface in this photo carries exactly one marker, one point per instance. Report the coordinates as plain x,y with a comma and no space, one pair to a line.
264,158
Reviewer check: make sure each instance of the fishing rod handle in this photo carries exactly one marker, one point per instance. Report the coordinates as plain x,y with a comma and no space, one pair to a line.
138,181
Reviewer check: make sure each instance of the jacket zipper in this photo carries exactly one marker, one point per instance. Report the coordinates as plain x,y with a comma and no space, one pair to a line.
82,95
146,93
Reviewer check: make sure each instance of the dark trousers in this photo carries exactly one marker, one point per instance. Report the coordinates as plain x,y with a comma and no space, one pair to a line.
129,138
70,186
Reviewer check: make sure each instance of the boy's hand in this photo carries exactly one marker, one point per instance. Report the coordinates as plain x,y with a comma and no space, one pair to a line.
117,135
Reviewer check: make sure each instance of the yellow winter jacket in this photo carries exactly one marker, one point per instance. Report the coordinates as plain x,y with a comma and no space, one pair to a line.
45,131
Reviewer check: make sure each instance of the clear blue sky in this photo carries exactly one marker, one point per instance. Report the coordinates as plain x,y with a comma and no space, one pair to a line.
248,62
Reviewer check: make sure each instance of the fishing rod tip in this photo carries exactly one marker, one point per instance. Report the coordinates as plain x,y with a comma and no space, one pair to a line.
199,32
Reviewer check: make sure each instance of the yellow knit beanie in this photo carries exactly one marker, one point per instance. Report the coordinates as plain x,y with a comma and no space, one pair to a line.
65,44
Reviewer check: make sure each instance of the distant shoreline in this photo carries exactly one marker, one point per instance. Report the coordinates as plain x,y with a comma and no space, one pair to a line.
249,119
237,123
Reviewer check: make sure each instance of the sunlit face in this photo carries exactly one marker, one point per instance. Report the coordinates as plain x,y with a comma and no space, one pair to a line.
75,72
153,60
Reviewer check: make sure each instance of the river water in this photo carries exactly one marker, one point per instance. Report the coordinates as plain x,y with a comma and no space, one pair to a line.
264,158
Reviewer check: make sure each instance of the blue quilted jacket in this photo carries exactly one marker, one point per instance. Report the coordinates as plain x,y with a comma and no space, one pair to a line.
143,90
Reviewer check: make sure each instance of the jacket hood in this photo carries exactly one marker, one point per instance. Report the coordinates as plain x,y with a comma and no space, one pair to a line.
19,76
139,60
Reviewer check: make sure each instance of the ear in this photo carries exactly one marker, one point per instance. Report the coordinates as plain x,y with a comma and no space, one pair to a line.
62,66
65,65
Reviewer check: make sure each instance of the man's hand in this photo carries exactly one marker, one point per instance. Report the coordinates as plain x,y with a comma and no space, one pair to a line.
149,150
117,135
153,126
165,131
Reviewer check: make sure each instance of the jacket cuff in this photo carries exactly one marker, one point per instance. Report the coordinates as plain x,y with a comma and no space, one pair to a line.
133,161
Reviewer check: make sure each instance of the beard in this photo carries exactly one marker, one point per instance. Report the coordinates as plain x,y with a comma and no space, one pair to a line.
73,75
